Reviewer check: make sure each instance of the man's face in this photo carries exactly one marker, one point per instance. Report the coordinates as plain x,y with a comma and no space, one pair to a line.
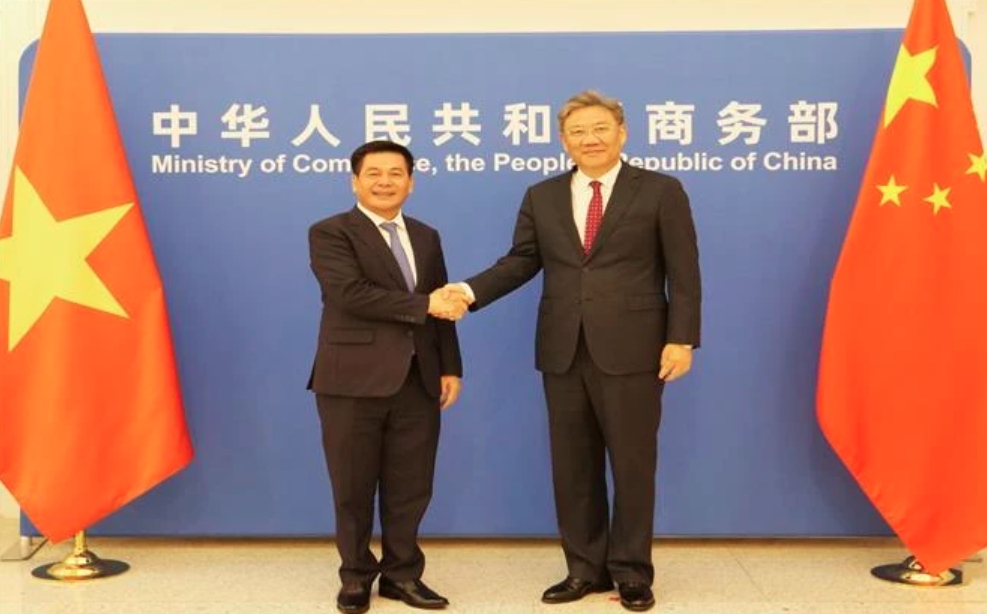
593,139
383,183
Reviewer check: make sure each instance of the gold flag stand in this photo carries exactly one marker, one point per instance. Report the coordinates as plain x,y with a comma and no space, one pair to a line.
911,572
80,565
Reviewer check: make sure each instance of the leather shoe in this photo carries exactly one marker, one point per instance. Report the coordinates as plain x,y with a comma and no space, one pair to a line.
574,589
353,598
636,596
413,593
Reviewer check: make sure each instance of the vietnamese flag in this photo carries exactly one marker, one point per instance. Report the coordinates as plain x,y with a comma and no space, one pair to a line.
90,408
902,394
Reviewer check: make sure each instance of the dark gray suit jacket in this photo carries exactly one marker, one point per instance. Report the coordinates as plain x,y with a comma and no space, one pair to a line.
638,288
371,324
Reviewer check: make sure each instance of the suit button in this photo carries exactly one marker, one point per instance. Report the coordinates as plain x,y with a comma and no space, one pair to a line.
409,333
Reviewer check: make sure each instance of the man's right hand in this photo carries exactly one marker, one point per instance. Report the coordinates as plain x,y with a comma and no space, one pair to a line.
448,303
461,289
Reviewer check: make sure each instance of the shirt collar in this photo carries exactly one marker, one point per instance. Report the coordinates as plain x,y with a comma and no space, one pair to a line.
378,220
607,179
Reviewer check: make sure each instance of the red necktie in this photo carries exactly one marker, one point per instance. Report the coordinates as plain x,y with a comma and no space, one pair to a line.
594,215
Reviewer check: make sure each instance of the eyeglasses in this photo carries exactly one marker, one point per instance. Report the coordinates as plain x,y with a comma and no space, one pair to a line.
600,131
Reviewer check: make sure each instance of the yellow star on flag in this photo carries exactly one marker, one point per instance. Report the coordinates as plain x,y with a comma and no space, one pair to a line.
978,166
45,259
909,81
939,198
891,192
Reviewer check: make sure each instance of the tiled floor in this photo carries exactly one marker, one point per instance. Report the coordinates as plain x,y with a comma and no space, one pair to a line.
493,576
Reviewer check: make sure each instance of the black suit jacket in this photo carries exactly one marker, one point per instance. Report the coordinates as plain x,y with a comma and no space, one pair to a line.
371,324
638,288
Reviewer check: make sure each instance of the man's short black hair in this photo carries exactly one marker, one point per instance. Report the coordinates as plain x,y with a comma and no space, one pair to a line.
356,159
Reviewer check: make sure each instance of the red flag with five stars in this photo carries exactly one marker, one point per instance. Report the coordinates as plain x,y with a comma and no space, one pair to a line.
902,393
90,408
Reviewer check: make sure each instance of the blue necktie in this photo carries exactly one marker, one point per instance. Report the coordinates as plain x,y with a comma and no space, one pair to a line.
399,254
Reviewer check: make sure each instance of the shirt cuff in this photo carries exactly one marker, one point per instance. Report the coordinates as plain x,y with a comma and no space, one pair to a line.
469,291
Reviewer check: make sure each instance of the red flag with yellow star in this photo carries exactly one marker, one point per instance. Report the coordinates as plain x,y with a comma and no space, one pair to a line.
903,367
90,408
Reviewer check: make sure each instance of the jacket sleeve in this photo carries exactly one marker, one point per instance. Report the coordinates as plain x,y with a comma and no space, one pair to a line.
450,359
680,251
514,269
335,264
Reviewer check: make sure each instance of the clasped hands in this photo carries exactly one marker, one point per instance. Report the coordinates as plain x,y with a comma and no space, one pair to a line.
449,302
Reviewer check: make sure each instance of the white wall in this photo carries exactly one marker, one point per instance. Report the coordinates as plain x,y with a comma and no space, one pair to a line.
21,22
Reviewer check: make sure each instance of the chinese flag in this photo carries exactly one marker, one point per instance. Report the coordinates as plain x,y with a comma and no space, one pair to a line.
90,408
902,394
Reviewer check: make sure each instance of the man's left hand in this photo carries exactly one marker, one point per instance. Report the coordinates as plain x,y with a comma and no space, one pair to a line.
451,385
676,360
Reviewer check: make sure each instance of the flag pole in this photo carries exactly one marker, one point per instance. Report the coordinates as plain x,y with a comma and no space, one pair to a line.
81,565
911,572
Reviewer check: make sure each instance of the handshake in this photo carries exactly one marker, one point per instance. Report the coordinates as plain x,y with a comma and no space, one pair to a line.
449,302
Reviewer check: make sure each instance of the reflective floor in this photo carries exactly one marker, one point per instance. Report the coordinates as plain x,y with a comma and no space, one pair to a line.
210,576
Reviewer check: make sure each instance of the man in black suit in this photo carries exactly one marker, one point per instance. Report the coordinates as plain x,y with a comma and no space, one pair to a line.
384,368
619,317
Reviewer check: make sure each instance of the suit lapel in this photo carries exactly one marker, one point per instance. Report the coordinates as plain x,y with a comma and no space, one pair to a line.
562,195
369,234
421,246
624,189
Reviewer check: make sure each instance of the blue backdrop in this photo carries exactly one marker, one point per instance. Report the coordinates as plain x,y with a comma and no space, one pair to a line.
768,131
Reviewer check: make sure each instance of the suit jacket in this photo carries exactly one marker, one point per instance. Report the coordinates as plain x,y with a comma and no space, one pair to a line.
638,288
371,324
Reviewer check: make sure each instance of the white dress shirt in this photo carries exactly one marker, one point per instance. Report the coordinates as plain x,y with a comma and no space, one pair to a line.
402,235
582,193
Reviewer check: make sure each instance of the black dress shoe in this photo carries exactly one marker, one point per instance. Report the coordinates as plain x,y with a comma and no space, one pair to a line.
635,596
353,598
574,589
413,593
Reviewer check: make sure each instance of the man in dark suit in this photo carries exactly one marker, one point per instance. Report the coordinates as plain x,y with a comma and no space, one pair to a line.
384,369
619,317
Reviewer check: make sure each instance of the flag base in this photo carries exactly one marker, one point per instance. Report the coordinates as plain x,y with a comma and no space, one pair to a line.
911,572
81,565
